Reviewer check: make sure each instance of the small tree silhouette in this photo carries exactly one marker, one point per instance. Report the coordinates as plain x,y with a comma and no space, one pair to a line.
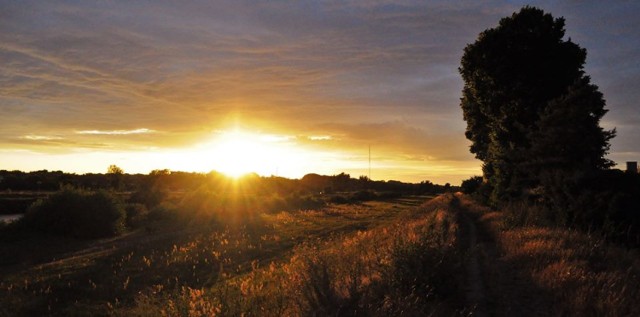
115,174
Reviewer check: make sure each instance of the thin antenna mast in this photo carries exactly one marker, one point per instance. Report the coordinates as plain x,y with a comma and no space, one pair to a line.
369,161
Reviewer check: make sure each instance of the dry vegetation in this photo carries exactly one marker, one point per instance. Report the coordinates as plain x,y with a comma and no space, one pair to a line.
391,258
545,271
374,258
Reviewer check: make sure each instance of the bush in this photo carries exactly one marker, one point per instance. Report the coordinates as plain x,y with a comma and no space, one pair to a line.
136,215
388,195
339,199
150,196
201,205
602,201
77,213
164,211
471,185
364,195
274,203
295,201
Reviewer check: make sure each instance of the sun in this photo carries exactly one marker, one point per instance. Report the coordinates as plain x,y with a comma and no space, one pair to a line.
237,153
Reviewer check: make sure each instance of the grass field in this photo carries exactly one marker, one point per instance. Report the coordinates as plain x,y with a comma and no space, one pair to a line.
552,271
257,268
411,256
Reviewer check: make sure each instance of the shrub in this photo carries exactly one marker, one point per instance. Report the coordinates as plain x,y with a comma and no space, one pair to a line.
388,195
201,205
295,201
605,201
364,195
77,213
164,211
200,200
471,185
522,214
339,199
150,196
136,215
274,203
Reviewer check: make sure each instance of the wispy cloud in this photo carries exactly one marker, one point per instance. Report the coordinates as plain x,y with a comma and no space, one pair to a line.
116,132
334,74
41,137
320,137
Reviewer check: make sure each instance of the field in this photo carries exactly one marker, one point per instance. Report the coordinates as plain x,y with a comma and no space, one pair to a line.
255,268
409,256
534,270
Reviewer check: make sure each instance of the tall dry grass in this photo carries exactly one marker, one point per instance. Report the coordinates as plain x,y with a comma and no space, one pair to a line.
550,271
409,268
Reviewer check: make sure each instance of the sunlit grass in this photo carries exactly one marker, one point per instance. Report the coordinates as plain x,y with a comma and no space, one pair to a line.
366,272
206,268
377,258
555,271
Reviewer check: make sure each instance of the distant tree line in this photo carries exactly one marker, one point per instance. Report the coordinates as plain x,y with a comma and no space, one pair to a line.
101,205
180,181
533,117
53,180
150,189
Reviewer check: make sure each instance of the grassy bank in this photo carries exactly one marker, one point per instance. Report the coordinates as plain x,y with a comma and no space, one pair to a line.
375,258
447,256
551,271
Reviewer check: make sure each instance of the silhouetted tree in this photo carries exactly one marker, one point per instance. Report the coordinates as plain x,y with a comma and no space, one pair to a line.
519,79
114,169
341,181
567,153
115,174
568,137
471,185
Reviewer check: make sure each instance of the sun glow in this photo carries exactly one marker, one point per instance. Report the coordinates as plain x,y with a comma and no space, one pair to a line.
237,153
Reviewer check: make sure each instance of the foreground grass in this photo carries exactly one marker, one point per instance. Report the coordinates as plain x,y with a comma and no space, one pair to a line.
406,267
543,271
375,258
446,257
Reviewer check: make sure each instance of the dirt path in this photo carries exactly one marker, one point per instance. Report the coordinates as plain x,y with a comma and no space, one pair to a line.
475,291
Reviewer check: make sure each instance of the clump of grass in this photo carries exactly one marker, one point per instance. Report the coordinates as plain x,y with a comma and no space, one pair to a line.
426,269
520,214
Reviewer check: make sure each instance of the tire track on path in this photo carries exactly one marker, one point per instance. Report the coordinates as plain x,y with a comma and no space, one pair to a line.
475,289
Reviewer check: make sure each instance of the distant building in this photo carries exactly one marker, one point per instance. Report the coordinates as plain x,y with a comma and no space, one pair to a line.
632,167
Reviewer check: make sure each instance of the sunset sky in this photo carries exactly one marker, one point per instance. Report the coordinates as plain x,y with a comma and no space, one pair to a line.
276,87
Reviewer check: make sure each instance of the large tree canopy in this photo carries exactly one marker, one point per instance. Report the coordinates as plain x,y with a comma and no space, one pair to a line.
525,99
